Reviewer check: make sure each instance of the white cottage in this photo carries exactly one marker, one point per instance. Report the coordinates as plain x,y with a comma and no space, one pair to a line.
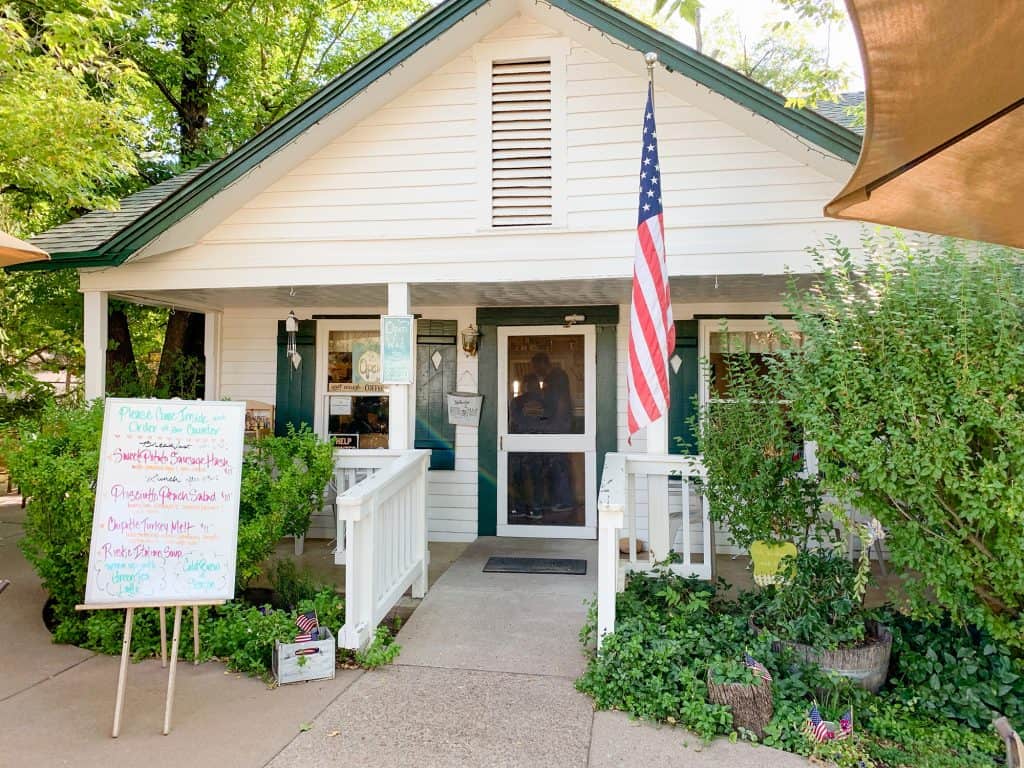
480,171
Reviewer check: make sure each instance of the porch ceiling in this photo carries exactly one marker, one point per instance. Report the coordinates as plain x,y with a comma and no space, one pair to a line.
701,289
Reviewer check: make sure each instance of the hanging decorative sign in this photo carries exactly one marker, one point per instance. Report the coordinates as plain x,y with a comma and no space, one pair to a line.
365,362
464,408
398,345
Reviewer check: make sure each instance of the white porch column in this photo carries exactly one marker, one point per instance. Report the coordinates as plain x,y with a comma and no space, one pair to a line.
95,341
211,351
657,492
401,420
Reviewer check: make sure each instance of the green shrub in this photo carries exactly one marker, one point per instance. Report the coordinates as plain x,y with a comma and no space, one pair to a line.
291,585
54,462
955,672
818,605
754,458
283,482
670,631
382,650
911,381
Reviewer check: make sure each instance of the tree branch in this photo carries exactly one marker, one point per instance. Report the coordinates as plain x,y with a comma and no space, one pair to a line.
160,84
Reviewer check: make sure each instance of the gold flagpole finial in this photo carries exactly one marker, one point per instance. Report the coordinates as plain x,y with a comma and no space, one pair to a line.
651,58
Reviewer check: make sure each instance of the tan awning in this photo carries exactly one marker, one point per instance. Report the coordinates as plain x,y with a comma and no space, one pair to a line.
15,251
945,123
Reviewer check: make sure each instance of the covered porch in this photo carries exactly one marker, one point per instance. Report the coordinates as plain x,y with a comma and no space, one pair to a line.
405,474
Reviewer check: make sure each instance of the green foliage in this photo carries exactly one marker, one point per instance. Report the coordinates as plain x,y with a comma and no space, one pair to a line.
818,605
243,637
671,631
755,481
783,58
910,382
54,462
955,672
283,481
291,585
382,650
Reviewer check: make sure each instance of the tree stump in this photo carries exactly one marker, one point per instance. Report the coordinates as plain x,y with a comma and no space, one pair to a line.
752,705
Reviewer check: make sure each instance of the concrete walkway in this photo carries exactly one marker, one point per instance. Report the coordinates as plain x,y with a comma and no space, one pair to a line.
485,678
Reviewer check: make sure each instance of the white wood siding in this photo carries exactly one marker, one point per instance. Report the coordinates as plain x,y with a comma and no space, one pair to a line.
249,372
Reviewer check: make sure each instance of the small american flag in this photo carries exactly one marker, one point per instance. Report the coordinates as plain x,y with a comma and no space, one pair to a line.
652,333
307,622
306,651
757,667
303,638
817,727
845,724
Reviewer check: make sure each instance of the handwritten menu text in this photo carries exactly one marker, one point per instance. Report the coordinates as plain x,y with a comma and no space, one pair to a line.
165,525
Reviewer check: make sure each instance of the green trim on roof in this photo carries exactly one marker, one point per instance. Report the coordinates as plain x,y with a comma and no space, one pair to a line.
676,56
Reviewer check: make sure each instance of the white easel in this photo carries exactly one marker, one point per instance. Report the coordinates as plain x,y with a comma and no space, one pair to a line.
126,643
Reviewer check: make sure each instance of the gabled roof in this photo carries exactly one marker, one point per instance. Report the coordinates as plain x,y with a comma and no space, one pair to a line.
108,238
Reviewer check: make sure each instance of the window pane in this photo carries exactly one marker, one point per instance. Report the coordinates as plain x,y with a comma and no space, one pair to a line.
357,405
546,489
758,345
546,385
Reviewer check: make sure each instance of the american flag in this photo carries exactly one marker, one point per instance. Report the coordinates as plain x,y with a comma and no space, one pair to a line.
652,334
817,727
845,724
303,638
306,651
757,667
307,621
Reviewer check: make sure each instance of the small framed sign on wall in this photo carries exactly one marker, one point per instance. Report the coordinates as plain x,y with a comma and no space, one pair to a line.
397,349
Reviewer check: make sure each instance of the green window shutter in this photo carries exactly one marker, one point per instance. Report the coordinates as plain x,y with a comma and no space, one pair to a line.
683,390
436,371
296,389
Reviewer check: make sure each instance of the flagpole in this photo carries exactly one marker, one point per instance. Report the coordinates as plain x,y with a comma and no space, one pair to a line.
651,58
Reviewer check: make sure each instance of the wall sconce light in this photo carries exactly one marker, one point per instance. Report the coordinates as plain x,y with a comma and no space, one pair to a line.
291,327
571,320
471,340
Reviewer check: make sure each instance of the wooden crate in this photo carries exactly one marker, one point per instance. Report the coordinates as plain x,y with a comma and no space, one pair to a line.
318,666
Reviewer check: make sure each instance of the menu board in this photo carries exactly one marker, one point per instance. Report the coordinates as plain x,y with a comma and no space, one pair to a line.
396,349
165,524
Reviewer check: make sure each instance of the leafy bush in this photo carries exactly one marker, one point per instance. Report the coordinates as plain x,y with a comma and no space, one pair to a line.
819,604
291,585
669,631
54,462
956,673
382,650
755,482
283,481
911,381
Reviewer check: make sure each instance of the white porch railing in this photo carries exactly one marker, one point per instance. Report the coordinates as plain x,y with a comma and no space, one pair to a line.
678,522
382,535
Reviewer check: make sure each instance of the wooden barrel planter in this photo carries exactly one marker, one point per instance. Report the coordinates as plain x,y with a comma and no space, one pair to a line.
752,705
866,665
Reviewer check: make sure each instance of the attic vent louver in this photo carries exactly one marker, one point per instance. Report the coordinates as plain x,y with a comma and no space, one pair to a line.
521,143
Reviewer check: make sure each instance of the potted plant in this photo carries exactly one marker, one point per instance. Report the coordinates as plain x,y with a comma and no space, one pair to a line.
756,484
745,686
819,614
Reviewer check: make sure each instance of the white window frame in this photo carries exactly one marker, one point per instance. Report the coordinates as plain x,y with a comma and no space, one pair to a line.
323,333
484,55
707,327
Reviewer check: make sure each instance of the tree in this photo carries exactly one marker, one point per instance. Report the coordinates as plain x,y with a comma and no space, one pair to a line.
134,91
911,383
783,59
67,107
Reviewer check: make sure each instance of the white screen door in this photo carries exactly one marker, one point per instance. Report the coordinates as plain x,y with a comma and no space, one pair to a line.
547,423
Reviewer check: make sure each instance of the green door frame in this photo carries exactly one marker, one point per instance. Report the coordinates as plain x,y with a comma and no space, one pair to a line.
488,320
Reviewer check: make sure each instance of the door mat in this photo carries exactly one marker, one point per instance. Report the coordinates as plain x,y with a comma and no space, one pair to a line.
558,565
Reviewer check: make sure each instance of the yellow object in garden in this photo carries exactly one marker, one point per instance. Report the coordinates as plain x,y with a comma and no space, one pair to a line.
767,557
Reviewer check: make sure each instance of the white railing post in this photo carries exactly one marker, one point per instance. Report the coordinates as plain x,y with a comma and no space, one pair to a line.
386,529
419,587
658,528
611,505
